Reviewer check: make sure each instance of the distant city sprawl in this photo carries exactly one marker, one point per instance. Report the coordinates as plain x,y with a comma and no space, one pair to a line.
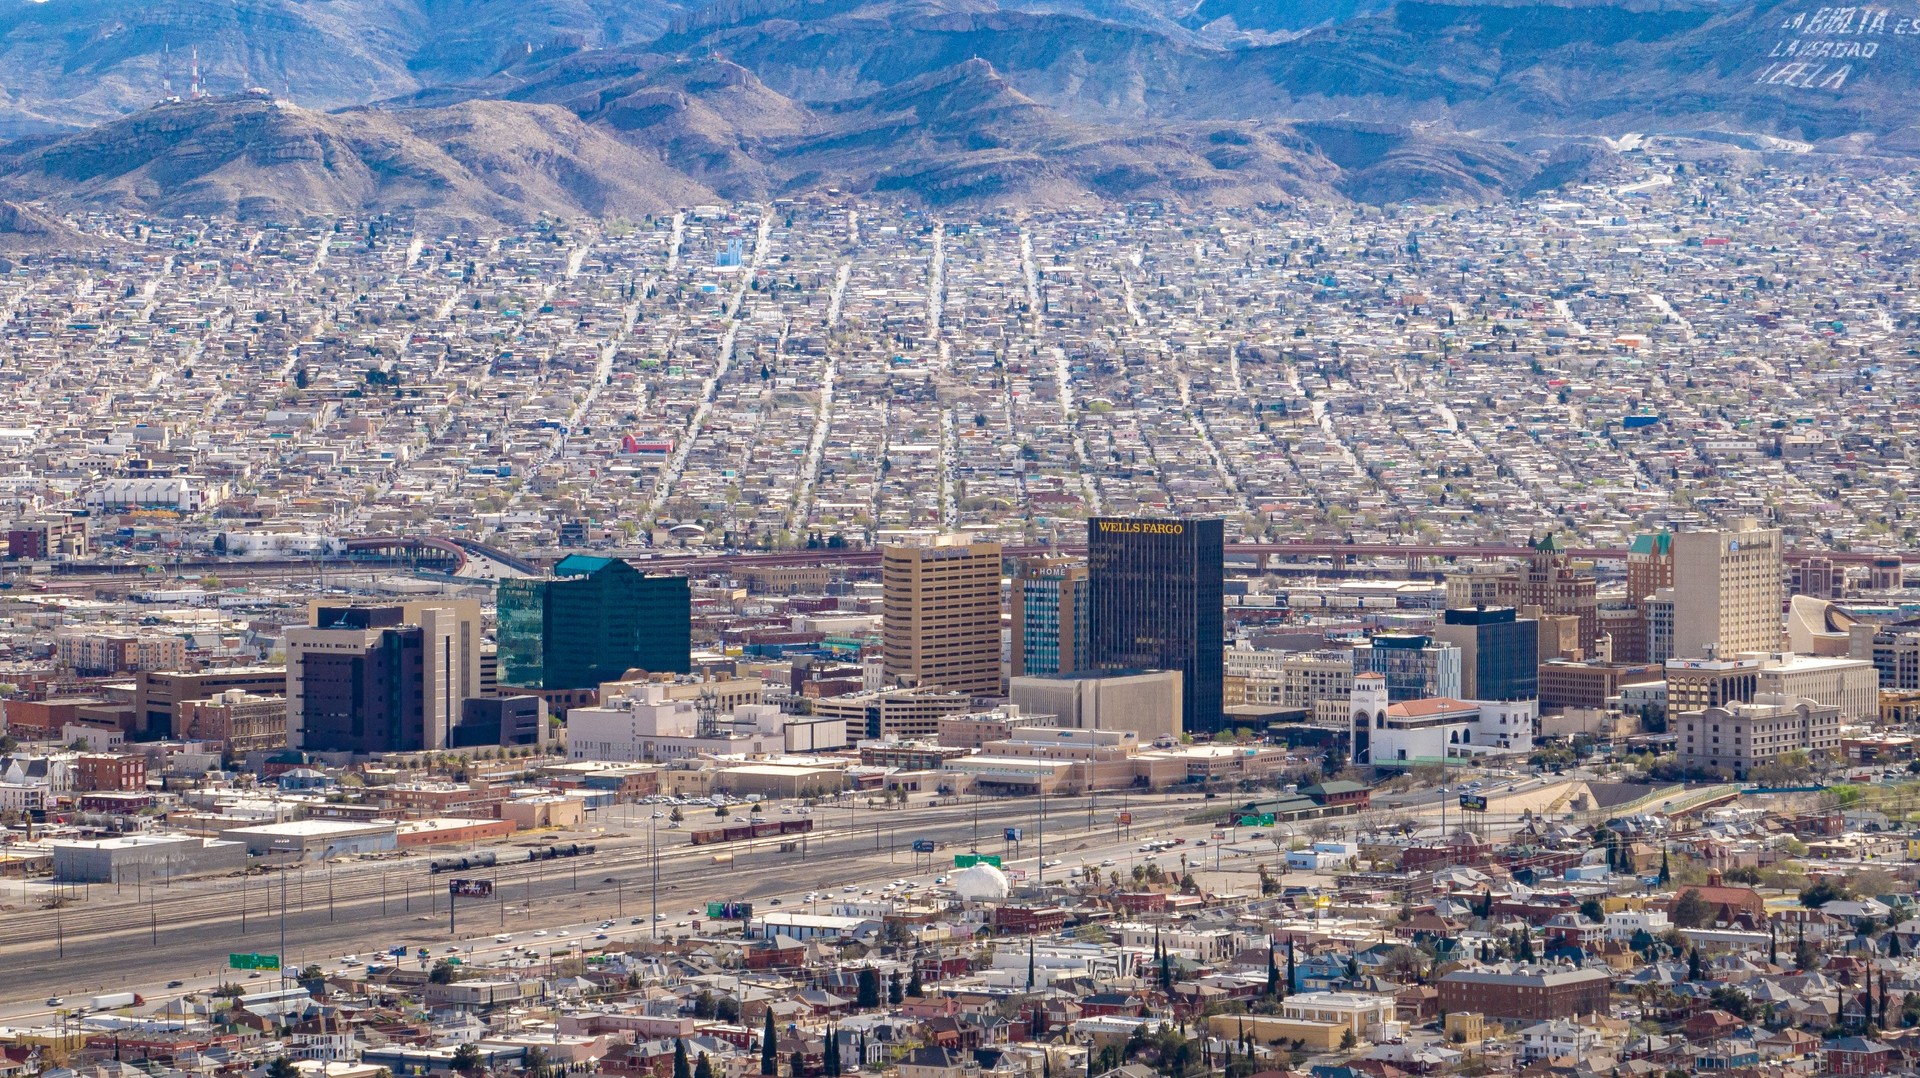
815,637
1685,343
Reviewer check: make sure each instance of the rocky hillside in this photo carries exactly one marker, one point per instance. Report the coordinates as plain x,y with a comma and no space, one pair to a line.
480,108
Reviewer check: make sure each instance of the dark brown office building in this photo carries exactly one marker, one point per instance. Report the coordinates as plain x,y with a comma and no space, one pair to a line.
1154,594
157,693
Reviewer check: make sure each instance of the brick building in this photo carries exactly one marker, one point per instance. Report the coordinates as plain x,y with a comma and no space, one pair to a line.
102,771
1523,991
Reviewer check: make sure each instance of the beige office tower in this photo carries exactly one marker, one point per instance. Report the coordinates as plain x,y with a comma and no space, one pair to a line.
941,602
1726,591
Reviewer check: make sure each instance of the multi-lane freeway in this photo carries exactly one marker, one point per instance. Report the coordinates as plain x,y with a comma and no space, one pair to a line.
150,934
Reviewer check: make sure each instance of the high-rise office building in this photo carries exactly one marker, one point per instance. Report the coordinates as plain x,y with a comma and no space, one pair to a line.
391,678
1049,617
1631,621
1155,603
1726,591
941,607
1649,565
1554,583
1416,667
593,621
1499,652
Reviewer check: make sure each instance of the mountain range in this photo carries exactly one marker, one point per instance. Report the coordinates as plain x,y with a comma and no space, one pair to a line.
489,110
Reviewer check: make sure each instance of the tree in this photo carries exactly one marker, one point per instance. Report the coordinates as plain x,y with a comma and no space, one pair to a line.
1824,892
535,1063
798,1063
914,987
769,1049
466,1059
681,1068
1691,911
1592,910
1273,972
282,1067
894,995
704,1068
676,815
442,973
1347,1039
1805,955
869,989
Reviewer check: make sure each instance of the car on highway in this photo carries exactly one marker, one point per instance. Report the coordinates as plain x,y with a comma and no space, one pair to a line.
503,938
638,921
773,902
601,936
539,931
54,1001
1108,863
175,984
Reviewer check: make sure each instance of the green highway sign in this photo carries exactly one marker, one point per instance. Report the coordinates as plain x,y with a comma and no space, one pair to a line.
1265,819
968,860
253,961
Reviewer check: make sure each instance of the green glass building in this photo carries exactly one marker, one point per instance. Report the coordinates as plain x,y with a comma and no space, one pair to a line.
592,621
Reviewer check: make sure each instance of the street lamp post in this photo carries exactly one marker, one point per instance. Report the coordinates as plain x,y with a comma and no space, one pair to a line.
653,851
1043,835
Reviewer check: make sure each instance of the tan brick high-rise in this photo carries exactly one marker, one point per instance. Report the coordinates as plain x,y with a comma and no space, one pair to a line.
941,603
1727,591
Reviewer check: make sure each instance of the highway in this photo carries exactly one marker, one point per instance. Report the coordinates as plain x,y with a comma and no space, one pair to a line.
390,552
139,937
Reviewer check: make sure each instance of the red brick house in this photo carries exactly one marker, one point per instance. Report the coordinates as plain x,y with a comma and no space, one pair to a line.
1858,1055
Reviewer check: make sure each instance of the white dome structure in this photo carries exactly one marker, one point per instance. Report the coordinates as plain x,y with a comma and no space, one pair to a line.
980,883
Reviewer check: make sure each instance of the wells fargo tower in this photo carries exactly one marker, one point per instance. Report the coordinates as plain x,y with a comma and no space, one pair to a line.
1154,603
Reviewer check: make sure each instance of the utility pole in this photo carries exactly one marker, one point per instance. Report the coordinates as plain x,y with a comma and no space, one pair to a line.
1043,835
283,926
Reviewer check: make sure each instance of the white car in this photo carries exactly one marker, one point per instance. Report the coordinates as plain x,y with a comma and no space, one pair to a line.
503,938
539,931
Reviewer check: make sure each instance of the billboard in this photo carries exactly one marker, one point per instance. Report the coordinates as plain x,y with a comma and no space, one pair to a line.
470,888
730,911
923,845
1014,833
1474,802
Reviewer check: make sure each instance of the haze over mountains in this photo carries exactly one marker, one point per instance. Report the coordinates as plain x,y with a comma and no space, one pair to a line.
493,109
